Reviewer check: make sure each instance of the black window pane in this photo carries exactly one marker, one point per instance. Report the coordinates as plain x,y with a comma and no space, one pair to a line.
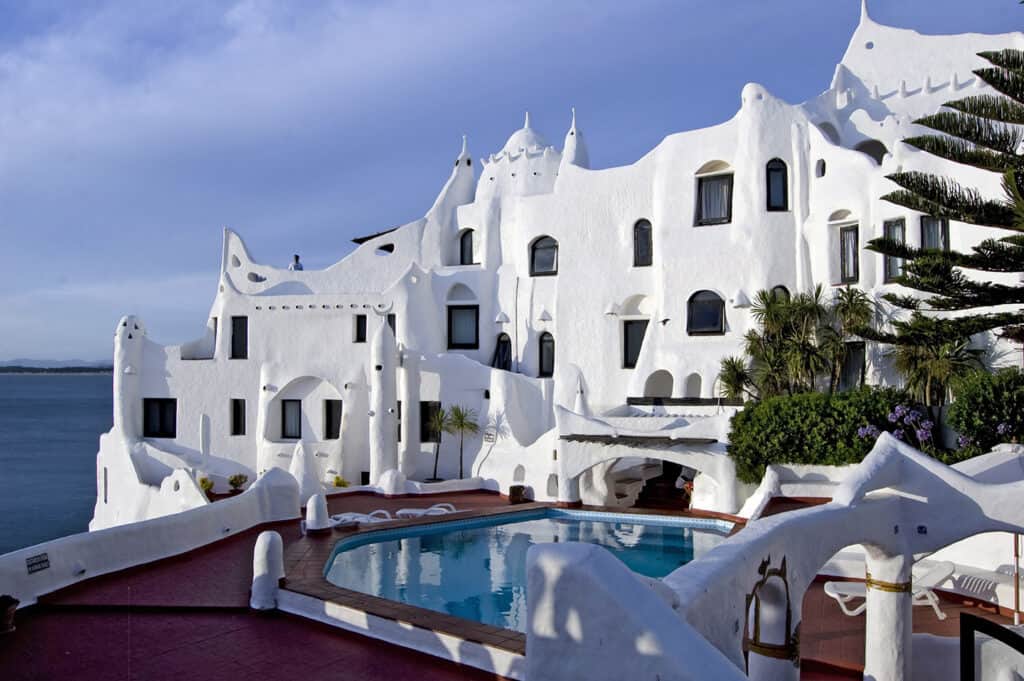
544,256
291,419
428,413
547,355
706,314
633,332
643,249
714,200
466,248
238,417
239,337
778,194
332,419
159,417
463,327
360,330
503,353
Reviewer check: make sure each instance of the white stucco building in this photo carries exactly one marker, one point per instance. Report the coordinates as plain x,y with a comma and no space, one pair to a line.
544,295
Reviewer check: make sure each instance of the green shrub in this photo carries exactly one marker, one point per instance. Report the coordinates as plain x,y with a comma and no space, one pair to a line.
340,481
989,409
818,429
238,480
205,484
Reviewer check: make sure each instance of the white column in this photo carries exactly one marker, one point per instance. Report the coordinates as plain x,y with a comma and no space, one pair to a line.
383,402
889,622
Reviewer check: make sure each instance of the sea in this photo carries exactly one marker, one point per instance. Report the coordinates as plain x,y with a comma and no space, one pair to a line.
50,425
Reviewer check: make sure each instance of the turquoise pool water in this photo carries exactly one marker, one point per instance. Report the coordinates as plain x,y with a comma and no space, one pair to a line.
476,569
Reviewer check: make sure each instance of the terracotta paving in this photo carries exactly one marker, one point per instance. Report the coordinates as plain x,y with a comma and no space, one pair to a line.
188,617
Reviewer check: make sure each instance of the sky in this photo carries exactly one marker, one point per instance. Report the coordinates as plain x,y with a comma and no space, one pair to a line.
132,133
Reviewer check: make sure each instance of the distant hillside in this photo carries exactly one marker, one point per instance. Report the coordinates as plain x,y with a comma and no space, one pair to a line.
17,369
52,363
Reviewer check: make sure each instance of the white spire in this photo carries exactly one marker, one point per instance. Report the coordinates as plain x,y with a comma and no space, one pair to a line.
864,16
574,151
526,124
463,158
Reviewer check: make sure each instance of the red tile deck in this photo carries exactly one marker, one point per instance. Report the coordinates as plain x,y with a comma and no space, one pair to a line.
188,617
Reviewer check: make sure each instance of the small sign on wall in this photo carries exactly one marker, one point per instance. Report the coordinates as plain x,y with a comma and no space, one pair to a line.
37,563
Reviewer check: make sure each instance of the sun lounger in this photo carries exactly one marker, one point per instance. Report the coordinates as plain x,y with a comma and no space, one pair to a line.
380,515
436,509
845,593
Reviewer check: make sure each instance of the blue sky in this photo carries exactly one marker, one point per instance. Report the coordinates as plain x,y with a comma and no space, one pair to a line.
132,132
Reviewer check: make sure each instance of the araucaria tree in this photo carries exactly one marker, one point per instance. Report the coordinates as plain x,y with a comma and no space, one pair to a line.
979,131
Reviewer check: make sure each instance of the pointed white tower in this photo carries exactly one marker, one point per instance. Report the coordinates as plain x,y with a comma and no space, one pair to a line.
575,149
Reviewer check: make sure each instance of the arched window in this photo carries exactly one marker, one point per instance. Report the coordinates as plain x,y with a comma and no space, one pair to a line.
873,148
643,246
544,257
778,185
466,247
705,314
780,293
547,355
503,353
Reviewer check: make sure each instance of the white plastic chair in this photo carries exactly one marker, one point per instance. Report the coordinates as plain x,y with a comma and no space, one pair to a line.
436,509
845,593
378,516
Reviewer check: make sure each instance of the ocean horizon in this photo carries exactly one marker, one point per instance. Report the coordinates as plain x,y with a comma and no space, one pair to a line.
50,426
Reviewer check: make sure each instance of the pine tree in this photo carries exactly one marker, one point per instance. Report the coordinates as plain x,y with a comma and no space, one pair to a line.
979,131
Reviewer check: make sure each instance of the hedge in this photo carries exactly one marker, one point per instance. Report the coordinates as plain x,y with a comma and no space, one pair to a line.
988,410
821,429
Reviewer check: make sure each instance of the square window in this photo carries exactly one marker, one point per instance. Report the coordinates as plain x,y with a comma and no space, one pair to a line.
714,200
934,233
463,327
159,417
428,412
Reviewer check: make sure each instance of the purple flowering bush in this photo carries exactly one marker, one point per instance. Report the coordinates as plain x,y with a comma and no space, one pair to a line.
988,410
908,423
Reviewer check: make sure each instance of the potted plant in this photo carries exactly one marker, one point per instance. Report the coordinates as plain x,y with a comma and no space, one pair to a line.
340,481
462,421
237,481
439,424
206,485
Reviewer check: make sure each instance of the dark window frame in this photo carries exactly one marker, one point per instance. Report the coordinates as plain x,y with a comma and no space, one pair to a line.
719,330
239,337
467,235
332,426
534,272
427,434
475,343
643,225
781,293
777,165
237,416
943,232
166,412
629,359
891,264
359,328
862,347
698,218
844,278
284,420
545,341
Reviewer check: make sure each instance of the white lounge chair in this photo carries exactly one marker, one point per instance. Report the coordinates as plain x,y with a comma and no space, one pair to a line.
378,516
845,593
436,509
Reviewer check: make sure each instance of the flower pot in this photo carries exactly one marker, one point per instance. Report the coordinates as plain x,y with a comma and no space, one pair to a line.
517,494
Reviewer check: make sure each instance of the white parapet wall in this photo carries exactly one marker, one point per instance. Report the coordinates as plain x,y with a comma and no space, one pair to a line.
44,568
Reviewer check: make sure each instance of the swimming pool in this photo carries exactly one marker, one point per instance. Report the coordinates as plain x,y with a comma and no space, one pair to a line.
476,568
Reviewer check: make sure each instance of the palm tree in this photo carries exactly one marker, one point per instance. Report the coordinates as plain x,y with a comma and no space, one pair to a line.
932,366
734,378
440,423
462,421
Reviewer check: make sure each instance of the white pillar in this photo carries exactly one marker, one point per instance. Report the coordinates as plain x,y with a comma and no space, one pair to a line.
383,402
267,570
317,518
889,620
